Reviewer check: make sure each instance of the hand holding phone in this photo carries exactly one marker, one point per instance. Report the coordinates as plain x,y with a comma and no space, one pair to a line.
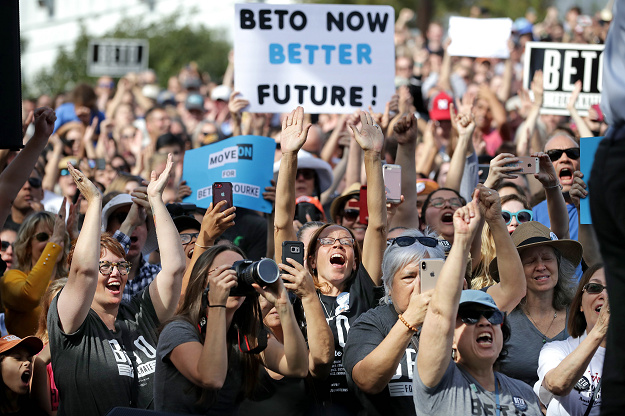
527,165
392,183
429,270
222,191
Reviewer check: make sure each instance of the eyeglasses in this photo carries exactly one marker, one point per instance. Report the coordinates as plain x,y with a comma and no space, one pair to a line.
328,241
41,237
556,154
106,267
408,241
351,214
440,202
187,238
308,174
473,316
34,182
594,288
521,216
4,246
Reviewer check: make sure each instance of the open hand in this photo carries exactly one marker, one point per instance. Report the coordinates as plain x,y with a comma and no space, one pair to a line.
88,190
237,104
294,133
369,137
156,186
537,87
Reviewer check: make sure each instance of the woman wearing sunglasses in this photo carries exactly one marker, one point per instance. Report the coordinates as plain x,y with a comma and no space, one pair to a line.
569,371
462,338
41,249
345,277
104,350
541,316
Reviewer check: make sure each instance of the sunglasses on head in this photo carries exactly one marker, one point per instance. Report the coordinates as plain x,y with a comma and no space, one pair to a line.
472,316
4,245
41,237
594,288
556,154
34,182
408,241
351,214
440,202
308,174
524,215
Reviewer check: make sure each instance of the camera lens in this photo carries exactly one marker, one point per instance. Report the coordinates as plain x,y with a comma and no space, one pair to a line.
294,249
267,271
423,266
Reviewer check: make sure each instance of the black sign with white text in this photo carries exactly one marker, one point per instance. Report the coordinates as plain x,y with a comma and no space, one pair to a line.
563,64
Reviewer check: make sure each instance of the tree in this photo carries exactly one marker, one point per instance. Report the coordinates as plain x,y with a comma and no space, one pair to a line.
172,46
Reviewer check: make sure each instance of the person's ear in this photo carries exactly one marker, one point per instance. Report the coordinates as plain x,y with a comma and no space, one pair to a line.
312,262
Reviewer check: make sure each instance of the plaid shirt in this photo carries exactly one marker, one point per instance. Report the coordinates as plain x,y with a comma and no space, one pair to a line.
147,272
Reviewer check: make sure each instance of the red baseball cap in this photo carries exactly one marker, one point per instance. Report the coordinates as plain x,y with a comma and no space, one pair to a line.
439,107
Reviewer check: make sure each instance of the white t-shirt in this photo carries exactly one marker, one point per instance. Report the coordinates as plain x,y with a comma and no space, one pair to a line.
576,402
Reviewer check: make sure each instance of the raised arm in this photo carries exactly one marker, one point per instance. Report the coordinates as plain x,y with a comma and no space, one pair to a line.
165,289
76,298
586,234
236,104
582,127
465,125
292,139
214,223
558,214
527,131
561,380
291,358
512,287
320,340
440,320
17,172
407,214
371,140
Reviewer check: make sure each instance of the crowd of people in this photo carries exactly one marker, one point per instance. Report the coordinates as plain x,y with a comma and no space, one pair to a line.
116,294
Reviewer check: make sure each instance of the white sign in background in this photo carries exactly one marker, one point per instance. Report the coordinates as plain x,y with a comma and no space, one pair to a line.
117,57
326,58
479,38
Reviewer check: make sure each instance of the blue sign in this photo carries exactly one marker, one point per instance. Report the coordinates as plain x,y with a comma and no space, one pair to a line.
246,161
588,148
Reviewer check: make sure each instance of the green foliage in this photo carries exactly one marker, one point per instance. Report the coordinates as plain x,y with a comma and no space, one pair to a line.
172,46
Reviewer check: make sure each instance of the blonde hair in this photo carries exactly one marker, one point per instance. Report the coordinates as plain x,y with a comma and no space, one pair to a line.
119,183
27,232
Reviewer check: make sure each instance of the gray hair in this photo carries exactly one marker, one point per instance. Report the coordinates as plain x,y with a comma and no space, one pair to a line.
396,257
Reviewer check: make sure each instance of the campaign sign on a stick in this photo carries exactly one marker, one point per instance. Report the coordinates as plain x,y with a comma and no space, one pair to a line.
563,64
326,58
242,160
117,57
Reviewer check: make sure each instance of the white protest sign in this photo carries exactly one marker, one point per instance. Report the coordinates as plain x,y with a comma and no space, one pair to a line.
117,57
563,64
326,58
479,38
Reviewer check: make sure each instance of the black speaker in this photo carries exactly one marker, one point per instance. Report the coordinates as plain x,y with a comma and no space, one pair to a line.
10,76
129,411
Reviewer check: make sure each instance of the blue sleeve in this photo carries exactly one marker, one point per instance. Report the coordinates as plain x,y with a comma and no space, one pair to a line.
123,239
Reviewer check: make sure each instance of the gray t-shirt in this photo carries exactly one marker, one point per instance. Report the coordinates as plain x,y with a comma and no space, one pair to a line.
524,347
92,367
365,336
458,393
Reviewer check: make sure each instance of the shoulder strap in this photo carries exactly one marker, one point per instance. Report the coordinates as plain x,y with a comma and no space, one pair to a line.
134,388
593,398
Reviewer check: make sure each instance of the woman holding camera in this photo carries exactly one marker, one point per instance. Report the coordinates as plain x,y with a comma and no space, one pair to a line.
208,355
463,336
103,349
345,277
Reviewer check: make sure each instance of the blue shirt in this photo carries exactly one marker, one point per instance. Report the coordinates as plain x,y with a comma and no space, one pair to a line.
541,214
67,112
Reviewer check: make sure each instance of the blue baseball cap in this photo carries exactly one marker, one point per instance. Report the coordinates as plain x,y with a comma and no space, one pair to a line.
479,297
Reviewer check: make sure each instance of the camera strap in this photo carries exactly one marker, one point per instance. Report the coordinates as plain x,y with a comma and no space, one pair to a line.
261,339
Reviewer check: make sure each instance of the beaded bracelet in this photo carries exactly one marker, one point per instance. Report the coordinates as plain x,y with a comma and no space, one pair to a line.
412,328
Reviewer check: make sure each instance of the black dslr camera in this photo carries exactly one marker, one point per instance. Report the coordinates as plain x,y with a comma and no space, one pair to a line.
262,272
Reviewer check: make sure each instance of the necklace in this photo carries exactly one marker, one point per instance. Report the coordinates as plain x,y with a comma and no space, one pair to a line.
555,315
324,307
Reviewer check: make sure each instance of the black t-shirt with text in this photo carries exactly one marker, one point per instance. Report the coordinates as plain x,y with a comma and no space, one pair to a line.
92,368
365,336
363,295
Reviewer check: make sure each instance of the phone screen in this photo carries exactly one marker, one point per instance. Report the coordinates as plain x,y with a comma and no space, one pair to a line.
392,183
